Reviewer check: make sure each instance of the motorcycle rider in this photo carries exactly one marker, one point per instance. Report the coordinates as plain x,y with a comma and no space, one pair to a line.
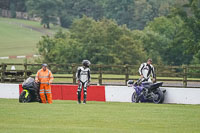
83,78
146,70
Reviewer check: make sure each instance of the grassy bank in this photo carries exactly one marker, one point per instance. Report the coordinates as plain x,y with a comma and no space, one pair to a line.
98,117
19,37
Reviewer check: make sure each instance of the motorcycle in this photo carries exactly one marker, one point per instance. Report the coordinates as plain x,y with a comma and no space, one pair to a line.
30,91
147,92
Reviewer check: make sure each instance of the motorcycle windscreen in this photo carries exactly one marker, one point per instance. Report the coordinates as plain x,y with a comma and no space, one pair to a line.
28,84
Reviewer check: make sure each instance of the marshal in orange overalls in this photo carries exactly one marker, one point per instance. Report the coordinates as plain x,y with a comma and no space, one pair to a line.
45,77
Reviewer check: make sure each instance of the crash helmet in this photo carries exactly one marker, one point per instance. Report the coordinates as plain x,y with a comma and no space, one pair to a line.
86,63
130,83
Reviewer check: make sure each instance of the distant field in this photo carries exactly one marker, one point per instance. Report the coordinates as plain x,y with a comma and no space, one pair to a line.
29,60
97,117
53,28
18,38
15,40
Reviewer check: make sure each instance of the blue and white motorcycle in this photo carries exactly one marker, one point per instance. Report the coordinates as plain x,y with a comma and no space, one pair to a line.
147,92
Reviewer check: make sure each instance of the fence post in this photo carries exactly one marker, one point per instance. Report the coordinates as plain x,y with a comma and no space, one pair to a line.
155,71
25,71
100,75
126,74
184,76
3,72
74,73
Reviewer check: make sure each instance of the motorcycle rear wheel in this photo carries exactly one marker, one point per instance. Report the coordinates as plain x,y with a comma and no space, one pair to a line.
22,98
160,97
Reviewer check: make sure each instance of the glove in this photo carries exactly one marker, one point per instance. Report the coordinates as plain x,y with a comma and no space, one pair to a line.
88,84
49,83
154,80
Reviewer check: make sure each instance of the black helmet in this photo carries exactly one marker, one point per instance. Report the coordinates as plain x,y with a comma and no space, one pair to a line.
86,63
44,65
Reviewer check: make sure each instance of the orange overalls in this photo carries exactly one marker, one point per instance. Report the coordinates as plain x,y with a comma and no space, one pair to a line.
45,78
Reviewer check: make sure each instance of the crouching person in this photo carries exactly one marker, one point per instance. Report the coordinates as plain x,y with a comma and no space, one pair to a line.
83,78
45,78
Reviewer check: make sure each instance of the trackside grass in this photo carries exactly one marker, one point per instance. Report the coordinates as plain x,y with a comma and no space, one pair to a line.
97,117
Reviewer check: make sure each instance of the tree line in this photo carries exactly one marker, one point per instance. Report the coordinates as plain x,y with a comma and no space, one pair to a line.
120,31
134,13
170,40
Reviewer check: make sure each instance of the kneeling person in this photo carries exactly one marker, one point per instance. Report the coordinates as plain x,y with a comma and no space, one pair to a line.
83,78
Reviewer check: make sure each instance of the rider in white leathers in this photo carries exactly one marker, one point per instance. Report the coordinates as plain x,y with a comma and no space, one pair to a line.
146,70
83,78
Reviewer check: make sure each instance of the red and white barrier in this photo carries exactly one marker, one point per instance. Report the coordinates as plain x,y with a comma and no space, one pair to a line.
69,92
19,57
107,93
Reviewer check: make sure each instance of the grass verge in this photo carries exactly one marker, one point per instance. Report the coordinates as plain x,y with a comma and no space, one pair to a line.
97,117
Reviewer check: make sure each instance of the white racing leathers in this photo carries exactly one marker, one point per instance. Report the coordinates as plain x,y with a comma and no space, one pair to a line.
83,76
146,70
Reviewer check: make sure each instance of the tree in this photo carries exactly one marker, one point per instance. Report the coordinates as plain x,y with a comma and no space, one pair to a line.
13,10
111,44
146,10
107,45
121,11
137,13
72,9
47,10
165,38
189,13
16,5
20,5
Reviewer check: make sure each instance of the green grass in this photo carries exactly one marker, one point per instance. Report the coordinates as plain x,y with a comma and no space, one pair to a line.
97,117
18,40
20,60
53,28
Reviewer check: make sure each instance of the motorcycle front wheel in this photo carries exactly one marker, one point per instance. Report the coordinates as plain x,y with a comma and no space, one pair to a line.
158,97
134,98
23,98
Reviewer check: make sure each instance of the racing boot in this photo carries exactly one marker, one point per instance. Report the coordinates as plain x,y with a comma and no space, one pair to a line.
85,97
79,97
